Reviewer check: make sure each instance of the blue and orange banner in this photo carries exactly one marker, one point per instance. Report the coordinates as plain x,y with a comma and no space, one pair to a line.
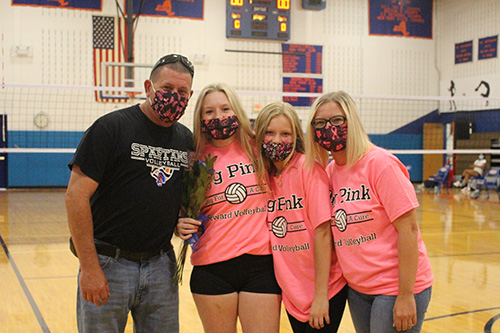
403,18
301,85
192,9
463,52
488,47
69,4
300,58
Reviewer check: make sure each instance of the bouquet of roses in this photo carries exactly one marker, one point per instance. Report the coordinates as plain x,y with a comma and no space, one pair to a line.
196,182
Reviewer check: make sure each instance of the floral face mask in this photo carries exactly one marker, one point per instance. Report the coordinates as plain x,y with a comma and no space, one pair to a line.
169,106
277,151
220,128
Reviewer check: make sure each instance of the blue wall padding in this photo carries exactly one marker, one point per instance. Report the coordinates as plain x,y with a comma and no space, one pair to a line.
40,169
47,169
484,121
43,139
403,141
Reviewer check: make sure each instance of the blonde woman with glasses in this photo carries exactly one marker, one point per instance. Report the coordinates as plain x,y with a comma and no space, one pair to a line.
377,238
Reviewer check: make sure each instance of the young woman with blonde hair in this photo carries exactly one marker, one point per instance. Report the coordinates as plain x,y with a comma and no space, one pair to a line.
377,238
233,275
299,216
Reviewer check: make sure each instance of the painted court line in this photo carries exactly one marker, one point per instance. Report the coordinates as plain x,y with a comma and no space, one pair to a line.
461,313
489,324
34,307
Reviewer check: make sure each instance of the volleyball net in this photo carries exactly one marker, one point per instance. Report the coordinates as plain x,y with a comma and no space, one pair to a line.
45,119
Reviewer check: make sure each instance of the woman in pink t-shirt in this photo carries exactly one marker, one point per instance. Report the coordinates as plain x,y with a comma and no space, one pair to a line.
377,238
233,275
299,216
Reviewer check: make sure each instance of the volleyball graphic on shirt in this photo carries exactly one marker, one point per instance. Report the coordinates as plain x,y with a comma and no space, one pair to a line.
279,227
236,193
161,174
341,219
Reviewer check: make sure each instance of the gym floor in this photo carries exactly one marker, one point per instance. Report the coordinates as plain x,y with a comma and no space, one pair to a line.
39,274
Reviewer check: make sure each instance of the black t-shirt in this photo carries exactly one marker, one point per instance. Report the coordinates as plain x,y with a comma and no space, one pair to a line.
139,167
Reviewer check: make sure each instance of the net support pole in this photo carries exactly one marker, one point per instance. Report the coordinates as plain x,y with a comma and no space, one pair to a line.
129,45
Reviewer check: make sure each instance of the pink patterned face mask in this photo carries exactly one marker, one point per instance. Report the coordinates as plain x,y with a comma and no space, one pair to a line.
332,138
277,151
220,128
169,106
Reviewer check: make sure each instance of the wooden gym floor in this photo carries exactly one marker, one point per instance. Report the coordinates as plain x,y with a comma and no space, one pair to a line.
38,273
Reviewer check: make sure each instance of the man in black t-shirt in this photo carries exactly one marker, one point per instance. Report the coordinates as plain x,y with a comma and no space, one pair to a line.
123,200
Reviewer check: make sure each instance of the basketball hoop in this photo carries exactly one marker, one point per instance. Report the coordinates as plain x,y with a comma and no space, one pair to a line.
132,94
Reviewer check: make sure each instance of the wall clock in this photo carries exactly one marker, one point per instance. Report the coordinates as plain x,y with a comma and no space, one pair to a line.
41,120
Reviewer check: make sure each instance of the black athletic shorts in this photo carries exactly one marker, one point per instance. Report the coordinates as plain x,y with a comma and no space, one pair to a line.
336,311
249,273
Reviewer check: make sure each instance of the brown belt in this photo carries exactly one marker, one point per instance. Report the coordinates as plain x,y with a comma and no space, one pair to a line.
115,252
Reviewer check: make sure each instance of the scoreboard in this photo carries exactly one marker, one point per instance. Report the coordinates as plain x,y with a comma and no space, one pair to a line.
260,19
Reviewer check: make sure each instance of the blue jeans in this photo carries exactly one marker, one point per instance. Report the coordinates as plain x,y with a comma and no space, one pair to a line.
373,313
144,288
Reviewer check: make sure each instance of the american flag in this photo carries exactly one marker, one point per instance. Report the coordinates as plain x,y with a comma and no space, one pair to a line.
108,47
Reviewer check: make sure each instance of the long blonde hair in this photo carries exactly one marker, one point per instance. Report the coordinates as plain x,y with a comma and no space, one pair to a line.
264,166
244,133
358,144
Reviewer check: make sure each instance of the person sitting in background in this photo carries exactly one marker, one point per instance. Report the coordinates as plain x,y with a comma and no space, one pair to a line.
474,170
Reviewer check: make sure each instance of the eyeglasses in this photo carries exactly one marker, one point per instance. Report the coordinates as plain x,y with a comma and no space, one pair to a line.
173,58
334,121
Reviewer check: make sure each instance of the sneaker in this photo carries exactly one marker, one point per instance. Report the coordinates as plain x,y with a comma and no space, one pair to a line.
475,194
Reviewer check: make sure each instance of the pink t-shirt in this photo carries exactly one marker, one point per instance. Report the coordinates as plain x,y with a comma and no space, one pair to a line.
236,208
298,206
367,198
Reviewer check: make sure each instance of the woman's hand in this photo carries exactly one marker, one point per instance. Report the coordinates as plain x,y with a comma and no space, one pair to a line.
405,312
319,315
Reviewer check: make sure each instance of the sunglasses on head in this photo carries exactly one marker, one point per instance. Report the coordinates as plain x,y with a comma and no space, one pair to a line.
173,58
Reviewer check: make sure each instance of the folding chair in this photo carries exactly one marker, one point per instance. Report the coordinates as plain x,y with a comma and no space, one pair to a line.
440,179
490,181
473,187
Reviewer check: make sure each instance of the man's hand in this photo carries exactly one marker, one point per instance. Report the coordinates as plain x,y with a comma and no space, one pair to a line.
94,286
186,227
